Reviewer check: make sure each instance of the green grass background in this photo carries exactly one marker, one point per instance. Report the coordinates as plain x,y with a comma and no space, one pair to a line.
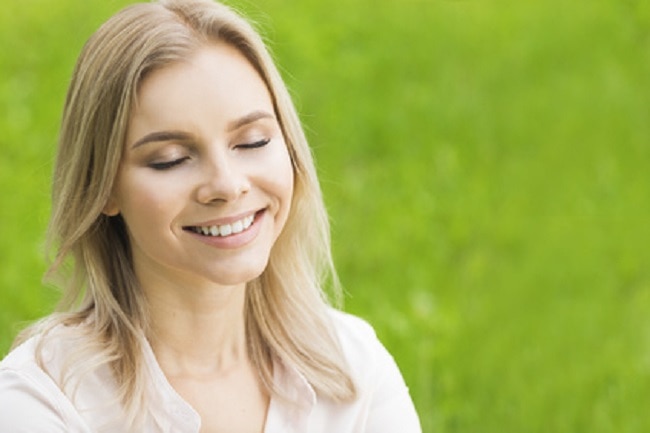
486,166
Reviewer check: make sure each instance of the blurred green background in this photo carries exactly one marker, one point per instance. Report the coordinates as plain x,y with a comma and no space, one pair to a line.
487,168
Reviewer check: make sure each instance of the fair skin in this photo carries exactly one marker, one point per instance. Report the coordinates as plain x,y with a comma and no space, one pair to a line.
204,188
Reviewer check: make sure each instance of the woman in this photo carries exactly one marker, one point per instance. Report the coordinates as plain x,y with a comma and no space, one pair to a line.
189,226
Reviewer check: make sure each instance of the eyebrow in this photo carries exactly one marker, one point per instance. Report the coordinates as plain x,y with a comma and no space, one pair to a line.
249,118
162,136
183,136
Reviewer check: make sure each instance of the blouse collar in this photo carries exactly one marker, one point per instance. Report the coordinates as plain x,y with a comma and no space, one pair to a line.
286,414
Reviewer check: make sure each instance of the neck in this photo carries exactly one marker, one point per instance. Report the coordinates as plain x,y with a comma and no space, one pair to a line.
197,331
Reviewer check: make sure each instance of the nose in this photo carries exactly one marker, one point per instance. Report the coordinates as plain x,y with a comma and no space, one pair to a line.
222,180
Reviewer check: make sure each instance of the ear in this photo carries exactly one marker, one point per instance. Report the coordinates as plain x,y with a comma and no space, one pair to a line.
111,208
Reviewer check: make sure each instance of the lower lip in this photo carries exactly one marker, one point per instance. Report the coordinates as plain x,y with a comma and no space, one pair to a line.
235,240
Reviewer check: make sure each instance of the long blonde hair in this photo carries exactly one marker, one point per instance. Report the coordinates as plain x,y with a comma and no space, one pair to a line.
286,307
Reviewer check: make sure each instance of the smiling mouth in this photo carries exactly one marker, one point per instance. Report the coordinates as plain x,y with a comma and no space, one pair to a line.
224,229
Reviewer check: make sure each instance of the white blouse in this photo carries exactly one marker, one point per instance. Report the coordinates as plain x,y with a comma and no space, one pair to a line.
31,400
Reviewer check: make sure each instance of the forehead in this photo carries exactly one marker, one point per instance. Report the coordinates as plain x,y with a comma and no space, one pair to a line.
216,80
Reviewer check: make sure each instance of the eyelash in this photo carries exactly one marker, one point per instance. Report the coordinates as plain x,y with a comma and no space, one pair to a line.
167,164
255,145
170,164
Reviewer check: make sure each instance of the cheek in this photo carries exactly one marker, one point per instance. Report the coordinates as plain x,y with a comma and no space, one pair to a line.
276,179
286,189
284,176
144,205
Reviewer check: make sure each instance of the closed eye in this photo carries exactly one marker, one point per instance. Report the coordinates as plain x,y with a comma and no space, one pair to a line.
254,145
167,164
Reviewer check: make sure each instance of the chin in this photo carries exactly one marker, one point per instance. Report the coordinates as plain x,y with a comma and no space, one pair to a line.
230,278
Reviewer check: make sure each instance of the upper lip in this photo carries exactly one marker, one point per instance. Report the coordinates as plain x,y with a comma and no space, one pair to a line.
225,220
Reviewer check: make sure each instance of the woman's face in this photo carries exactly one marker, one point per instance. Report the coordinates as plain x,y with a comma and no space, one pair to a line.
206,180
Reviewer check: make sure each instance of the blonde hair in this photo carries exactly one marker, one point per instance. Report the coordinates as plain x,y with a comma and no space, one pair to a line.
286,307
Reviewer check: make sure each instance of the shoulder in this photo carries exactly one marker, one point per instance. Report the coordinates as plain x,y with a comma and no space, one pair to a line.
29,398
44,387
383,397
352,329
43,355
356,336
362,349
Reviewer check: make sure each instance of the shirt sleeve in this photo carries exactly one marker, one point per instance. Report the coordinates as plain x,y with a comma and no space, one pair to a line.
25,407
391,408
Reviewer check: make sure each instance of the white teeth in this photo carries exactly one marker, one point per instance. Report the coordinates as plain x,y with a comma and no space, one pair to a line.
226,229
